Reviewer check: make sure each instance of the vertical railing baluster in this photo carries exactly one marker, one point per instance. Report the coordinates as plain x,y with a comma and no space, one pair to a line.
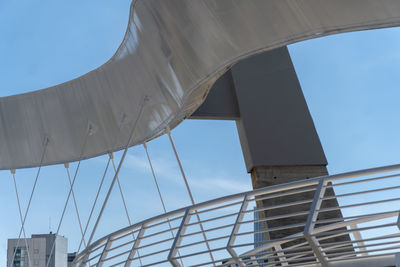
398,221
397,259
178,238
135,246
235,230
358,237
310,224
281,255
105,252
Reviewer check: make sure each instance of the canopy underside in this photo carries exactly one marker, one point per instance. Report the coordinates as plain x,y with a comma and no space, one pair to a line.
172,53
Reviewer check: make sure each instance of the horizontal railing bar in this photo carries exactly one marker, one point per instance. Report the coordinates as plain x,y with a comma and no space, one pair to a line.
209,263
151,254
300,256
283,194
200,252
203,241
212,219
209,230
168,220
305,243
300,249
359,204
156,243
219,262
273,229
362,257
292,237
284,205
276,217
365,246
338,225
313,263
118,263
159,233
363,240
365,251
361,192
216,208
115,256
99,247
154,263
286,255
363,180
355,229
94,257
280,261
261,258
343,219
120,245
271,243
124,235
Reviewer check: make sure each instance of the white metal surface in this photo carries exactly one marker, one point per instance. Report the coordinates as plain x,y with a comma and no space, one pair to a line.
369,202
173,51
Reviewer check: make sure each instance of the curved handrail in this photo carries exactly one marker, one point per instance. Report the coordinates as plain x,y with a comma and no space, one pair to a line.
207,208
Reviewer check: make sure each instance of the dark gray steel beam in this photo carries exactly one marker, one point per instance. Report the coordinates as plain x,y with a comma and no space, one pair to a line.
262,93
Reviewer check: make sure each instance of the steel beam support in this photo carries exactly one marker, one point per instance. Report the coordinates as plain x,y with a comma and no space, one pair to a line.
135,246
178,238
312,217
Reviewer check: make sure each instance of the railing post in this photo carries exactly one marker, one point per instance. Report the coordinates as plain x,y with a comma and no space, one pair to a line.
178,238
358,236
235,230
135,246
310,224
398,221
105,252
281,255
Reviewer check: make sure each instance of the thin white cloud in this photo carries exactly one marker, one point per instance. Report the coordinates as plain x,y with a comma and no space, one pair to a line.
220,184
208,181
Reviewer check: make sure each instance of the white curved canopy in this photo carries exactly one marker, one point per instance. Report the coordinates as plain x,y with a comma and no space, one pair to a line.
172,53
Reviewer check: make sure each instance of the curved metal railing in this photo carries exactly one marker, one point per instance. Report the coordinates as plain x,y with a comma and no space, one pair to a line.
240,231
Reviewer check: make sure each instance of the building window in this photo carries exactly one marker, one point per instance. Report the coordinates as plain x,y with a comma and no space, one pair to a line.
36,251
21,257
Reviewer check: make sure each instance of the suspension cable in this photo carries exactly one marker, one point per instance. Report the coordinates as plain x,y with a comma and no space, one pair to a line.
125,207
20,215
100,186
66,165
46,141
159,194
168,130
145,99
122,194
94,203
69,193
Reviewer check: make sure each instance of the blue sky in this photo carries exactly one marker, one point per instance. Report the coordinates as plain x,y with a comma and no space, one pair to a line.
350,81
